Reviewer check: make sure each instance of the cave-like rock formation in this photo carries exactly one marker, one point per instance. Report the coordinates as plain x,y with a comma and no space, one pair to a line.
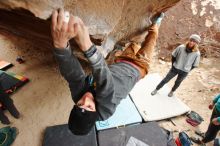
117,19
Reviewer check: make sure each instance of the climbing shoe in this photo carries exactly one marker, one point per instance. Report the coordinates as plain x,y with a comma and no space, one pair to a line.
159,19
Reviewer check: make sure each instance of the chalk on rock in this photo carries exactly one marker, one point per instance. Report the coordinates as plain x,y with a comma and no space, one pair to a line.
67,16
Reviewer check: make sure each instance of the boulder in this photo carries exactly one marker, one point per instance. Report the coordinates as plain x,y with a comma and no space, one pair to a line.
30,19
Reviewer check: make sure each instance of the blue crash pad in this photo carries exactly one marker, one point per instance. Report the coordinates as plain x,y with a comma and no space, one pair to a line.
60,135
125,114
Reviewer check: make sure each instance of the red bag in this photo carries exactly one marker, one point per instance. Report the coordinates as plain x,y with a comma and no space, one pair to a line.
192,122
177,141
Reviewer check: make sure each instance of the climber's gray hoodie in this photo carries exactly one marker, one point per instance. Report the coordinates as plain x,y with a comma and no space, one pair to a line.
113,83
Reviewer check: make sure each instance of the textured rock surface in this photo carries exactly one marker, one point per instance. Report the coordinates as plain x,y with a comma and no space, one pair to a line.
40,8
119,19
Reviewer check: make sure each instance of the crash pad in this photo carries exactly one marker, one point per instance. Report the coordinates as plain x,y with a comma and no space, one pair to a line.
159,106
146,134
60,135
125,114
11,82
4,64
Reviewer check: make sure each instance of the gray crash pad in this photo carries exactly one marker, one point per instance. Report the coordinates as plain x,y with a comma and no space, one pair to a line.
146,134
159,106
60,135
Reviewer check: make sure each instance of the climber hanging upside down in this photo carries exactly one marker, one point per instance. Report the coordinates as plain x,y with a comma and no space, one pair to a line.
113,82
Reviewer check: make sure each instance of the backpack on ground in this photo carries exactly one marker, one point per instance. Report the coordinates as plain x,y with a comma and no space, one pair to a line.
184,139
194,118
7,135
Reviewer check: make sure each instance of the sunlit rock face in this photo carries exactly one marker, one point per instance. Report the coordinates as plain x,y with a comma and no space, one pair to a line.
114,19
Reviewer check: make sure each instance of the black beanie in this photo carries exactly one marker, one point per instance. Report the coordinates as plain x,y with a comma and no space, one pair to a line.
81,121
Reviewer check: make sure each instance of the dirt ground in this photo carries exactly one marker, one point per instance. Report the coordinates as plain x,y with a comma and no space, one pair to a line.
46,100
